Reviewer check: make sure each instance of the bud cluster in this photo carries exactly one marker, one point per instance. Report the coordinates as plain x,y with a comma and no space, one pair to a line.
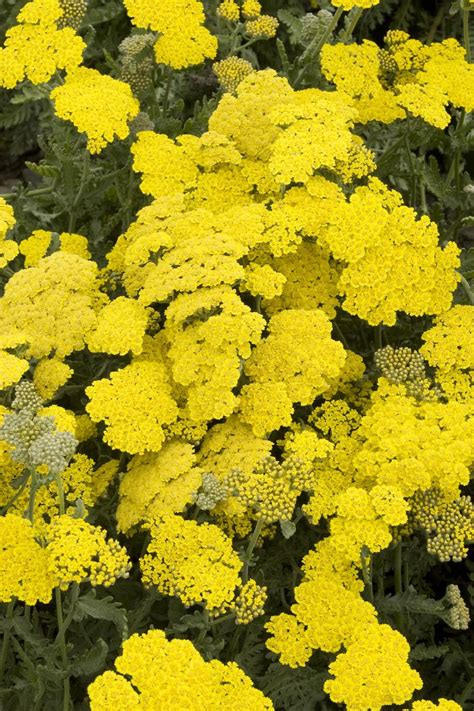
36,442
212,492
447,524
458,614
136,61
249,603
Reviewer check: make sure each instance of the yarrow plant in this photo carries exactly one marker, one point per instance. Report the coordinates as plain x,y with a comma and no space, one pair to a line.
236,355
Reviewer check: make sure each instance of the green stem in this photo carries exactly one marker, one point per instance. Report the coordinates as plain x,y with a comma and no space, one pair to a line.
29,193
59,484
437,21
6,639
367,575
250,548
61,638
465,27
378,337
357,14
397,572
74,595
166,95
16,496
397,568
84,176
33,490
467,289
319,44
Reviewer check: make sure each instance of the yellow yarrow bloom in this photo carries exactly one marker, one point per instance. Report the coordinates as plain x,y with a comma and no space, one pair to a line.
183,40
50,374
195,562
229,10
53,304
231,71
97,105
373,672
158,673
157,484
78,551
135,403
120,328
24,572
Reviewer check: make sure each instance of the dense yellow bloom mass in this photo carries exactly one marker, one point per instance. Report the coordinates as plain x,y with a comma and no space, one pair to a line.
164,673
373,672
449,343
120,328
97,105
194,561
36,246
8,248
52,304
415,275
406,77
50,374
183,40
413,445
24,572
78,551
37,46
135,403
11,369
298,353
157,484
441,705
7,218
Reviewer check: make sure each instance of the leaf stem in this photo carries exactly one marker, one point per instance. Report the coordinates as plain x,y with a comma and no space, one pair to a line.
358,11
319,44
467,288
250,548
6,638
465,27
61,639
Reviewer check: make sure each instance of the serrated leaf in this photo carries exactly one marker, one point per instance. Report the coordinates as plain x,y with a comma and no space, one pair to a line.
44,169
91,661
293,23
296,689
433,179
104,609
411,602
427,651
285,62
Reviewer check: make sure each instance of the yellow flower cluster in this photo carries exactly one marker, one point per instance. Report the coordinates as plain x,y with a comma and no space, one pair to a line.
373,672
153,672
183,40
249,603
135,403
97,105
50,375
8,247
37,245
37,46
407,77
52,304
195,562
78,551
158,484
24,572
375,221
231,71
